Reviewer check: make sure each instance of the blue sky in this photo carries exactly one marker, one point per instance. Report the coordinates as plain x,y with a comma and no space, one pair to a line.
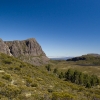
61,27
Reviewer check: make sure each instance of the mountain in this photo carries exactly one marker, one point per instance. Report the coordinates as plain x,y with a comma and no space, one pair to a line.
27,50
61,58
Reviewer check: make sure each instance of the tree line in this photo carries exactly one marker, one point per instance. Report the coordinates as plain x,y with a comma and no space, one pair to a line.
77,77
82,79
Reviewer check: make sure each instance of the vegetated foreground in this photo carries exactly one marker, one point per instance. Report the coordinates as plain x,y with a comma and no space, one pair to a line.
23,81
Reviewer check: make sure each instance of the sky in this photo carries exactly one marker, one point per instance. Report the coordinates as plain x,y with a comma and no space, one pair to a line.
61,27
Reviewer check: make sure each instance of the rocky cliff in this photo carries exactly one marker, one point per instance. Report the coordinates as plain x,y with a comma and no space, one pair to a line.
4,48
27,50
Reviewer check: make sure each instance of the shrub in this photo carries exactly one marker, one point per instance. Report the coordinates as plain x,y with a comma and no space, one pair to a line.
62,96
28,81
50,90
7,61
10,92
88,85
2,84
34,85
48,67
55,70
61,75
7,77
17,68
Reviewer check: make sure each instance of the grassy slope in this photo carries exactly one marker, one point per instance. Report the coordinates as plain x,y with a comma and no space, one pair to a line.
23,81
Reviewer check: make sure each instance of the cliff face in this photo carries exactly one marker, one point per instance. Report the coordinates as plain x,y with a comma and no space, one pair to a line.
28,47
27,50
4,48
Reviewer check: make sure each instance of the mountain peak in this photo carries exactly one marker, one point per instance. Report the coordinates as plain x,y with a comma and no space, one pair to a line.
28,50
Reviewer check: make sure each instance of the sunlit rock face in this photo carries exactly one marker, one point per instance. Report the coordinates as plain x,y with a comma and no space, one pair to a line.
27,50
4,48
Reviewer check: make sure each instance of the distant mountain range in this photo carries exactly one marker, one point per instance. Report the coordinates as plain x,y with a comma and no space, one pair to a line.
70,58
60,58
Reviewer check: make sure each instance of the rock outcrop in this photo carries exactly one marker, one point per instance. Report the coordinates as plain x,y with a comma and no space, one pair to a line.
27,50
4,48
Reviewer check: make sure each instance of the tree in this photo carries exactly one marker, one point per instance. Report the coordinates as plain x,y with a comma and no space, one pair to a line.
61,75
86,79
81,79
76,77
93,80
48,67
98,81
88,85
55,70
69,74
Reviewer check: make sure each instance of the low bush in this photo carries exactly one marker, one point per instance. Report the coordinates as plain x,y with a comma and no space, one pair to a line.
62,96
7,77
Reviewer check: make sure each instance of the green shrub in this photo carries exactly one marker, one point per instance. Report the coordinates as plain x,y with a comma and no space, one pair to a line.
50,90
88,85
55,70
62,96
10,91
61,75
11,68
2,84
96,97
7,61
48,67
34,85
28,81
7,77
17,68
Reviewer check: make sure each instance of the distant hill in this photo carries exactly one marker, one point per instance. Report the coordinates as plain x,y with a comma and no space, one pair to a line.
61,58
94,54
89,59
